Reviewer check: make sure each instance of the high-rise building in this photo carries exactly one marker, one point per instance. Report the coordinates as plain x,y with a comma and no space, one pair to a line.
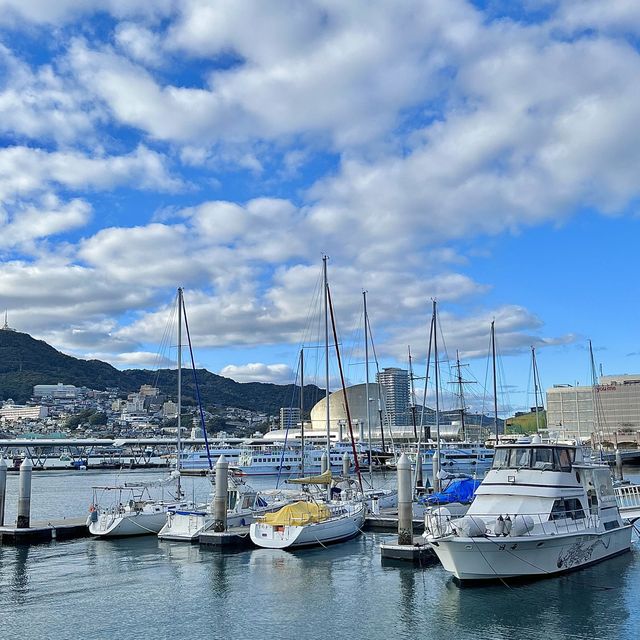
289,417
395,383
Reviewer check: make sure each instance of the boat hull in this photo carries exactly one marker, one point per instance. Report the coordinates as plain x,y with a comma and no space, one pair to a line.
491,558
127,524
338,529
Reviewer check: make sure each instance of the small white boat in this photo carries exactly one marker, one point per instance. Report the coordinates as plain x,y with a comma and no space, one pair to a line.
541,510
243,504
130,512
312,521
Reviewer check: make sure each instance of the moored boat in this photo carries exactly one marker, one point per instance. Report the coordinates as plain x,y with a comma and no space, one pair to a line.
541,510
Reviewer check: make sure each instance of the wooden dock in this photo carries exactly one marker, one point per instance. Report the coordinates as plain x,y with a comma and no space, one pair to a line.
43,532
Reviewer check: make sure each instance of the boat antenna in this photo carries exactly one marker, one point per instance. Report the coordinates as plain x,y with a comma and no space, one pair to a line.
536,379
437,383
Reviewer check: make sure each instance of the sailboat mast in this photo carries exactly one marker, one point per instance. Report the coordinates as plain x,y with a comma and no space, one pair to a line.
413,397
366,383
495,379
179,363
302,452
535,385
461,394
437,384
326,363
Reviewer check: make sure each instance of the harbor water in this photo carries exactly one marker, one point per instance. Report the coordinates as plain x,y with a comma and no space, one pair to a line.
144,588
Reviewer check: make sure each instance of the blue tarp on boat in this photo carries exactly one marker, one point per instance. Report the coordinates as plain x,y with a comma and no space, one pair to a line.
460,490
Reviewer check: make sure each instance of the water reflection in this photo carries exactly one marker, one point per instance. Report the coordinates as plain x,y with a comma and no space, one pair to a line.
545,608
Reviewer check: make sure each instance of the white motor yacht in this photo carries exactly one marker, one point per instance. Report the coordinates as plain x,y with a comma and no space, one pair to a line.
541,510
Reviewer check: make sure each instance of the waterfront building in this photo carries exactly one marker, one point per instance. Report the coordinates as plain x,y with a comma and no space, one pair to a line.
611,409
395,383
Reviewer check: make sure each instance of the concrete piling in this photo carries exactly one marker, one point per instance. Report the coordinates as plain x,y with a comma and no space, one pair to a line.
436,472
405,497
419,476
346,464
24,495
619,465
324,462
3,488
221,495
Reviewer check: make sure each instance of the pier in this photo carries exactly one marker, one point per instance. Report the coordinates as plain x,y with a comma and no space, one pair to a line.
43,532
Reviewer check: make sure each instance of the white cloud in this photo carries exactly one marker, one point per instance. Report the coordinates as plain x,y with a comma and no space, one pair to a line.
48,218
40,104
24,170
259,372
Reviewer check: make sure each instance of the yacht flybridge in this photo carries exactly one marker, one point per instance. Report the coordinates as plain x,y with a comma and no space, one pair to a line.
541,510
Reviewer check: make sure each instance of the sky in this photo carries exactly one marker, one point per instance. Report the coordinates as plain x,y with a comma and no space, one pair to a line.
482,154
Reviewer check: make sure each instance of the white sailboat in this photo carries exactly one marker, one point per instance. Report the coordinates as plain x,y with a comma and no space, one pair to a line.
321,520
133,511
541,510
244,504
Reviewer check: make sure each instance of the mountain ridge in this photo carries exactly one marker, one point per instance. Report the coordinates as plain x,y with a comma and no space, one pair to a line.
26,361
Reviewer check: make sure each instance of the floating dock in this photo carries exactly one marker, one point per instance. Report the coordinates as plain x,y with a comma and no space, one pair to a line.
419,552
233,539
43,532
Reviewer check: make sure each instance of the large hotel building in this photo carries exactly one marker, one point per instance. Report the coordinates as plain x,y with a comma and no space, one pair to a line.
611,408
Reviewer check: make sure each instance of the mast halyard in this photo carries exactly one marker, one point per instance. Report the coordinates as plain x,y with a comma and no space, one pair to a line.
302,412
535,385
413,398
366,383
326,362
179,363
437,382
495,379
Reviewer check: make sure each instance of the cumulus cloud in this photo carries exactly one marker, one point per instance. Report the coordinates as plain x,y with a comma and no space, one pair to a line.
259,372
24,171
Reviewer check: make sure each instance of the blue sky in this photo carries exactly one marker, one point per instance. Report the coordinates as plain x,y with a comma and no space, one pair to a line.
482,153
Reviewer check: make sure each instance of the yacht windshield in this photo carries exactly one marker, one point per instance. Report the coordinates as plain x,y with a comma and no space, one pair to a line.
539,458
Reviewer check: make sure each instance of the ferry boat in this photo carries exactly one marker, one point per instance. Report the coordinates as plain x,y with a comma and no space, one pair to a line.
270,460
454,458
541,510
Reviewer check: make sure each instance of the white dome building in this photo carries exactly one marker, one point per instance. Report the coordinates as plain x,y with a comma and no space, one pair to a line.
358,408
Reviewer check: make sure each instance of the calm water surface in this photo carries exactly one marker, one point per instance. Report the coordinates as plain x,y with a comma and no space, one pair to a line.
144,588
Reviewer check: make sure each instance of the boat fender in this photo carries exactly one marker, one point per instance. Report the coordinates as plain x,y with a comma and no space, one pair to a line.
521,525
470,527
437,522
507,525
498,529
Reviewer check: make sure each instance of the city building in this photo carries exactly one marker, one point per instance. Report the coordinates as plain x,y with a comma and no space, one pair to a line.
289,417
10,412
611,409
57,391
395,383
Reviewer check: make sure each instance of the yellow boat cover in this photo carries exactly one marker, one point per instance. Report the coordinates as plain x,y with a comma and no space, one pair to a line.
323,478
297,514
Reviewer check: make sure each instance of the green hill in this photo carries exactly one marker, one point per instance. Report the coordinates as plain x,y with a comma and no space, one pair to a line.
25,362
526,423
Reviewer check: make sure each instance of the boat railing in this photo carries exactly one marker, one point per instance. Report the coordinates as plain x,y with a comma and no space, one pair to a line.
439,524
628,496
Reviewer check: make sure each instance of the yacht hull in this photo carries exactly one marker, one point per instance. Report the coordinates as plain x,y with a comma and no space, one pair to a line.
491,558
129,524
336,529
